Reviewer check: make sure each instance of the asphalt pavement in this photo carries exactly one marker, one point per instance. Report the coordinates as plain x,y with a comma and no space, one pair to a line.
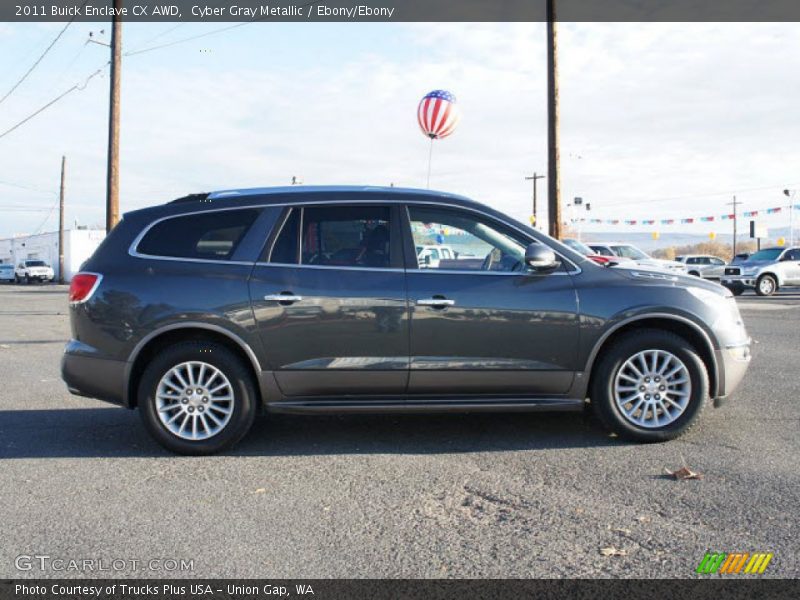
506,495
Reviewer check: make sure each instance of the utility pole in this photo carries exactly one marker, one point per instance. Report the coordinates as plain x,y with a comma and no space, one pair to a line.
112,180
553,171
61,222
534,178
735,203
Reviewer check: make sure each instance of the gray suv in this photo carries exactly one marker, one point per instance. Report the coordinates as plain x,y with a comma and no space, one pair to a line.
212,308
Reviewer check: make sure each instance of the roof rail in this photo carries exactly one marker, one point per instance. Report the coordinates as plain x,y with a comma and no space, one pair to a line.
190,198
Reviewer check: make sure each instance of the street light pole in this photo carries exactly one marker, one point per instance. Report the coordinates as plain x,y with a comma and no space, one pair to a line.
791,194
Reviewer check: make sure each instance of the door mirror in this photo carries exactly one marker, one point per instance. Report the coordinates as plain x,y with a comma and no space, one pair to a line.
540,258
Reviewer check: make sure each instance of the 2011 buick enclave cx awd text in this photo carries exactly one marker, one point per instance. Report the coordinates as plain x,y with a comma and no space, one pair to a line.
210,309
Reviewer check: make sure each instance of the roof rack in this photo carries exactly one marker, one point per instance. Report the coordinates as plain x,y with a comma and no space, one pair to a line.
190,198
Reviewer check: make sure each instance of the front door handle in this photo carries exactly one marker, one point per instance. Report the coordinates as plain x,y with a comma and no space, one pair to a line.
435,302
283,298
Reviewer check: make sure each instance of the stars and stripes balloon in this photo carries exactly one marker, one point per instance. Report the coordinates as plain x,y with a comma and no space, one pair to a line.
438,114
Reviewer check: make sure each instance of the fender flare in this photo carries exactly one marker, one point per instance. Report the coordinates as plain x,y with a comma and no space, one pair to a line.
141,344
711,347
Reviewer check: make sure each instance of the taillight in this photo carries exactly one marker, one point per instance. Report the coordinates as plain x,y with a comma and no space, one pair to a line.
83,286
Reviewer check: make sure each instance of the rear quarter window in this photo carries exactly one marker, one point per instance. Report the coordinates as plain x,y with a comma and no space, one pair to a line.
212,235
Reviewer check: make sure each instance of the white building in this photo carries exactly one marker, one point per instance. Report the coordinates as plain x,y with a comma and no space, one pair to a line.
79,244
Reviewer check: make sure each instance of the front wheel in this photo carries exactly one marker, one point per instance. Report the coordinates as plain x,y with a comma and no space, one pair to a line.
766,285
197,398
650,386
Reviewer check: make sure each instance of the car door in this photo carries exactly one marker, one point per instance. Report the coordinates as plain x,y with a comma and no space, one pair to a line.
329,298
792,267
488,325
716,269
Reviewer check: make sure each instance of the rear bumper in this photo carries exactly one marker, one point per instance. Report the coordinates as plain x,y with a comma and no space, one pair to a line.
732,364
87,374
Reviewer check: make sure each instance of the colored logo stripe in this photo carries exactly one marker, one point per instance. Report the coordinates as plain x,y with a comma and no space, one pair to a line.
734,563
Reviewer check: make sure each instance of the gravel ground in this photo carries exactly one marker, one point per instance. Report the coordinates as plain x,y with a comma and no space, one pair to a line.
514,495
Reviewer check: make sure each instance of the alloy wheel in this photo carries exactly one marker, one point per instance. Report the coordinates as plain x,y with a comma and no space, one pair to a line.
652,388
194,400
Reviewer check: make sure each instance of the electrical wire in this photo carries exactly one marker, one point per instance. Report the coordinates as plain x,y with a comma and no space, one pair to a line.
77,86
41,57
208,33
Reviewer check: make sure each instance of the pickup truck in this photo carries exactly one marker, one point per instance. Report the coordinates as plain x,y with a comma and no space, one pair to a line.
766,271
33,270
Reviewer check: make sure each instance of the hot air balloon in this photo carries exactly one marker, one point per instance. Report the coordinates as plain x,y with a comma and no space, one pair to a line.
438,116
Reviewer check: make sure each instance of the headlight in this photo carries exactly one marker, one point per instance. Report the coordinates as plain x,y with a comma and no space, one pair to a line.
725,308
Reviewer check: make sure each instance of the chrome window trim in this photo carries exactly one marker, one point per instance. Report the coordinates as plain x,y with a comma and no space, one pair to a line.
572,268
280,227
328,267
134,252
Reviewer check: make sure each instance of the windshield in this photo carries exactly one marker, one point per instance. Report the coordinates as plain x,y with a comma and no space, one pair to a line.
579,247
768,254
35,263
629,252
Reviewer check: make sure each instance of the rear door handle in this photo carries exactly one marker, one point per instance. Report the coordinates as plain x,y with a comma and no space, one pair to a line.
435,302
283,298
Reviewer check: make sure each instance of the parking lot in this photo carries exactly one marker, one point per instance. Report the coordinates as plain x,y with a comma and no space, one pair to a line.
514,495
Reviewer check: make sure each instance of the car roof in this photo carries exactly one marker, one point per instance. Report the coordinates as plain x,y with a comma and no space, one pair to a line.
258,196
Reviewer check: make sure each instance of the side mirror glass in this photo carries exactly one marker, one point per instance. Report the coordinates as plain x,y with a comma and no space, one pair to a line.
540,258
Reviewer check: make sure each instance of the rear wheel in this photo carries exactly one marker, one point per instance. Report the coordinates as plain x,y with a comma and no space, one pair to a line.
650,386
197,398
766,285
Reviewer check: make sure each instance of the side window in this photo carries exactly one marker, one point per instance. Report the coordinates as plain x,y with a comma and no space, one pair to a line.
602,251
211,235
284,250
477,244
346,236
793,254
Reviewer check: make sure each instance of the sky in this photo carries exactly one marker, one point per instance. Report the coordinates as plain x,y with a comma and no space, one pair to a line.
659,120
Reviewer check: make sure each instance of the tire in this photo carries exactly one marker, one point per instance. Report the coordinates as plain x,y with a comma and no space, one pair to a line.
695,273
737,289
766,285
691,397
229,428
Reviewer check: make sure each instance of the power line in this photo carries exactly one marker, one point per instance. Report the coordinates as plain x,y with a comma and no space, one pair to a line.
77,86
38,60
47,218
208,33
26,187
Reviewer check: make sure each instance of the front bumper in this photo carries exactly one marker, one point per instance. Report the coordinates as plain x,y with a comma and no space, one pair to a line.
87,374
745,280
732,363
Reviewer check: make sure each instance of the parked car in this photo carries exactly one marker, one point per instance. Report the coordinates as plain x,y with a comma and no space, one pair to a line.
582,248
210,309
429,255
637,257
6,272
766,271
706,266
33,270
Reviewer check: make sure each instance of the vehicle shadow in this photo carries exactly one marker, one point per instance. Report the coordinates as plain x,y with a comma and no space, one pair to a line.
111,432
